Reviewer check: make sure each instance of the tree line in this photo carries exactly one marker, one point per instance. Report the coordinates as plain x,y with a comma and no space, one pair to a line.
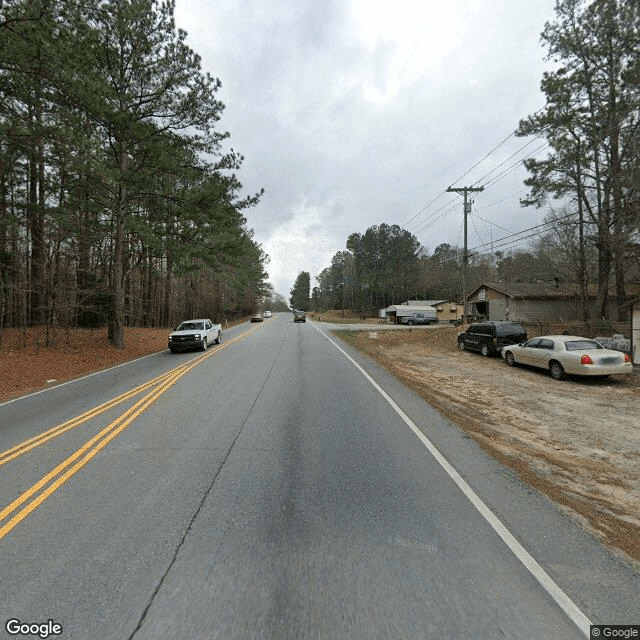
591,174
118,204
591,121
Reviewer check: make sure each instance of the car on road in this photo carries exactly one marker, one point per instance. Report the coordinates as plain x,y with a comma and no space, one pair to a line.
491,337
195,334
299,316
266,314
562,355
418,318
256,317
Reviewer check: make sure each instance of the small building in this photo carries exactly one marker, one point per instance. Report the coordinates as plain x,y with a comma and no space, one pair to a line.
532,302
449,311
397,311
635,330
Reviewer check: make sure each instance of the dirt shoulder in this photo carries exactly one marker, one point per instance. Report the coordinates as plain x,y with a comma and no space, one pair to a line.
577,441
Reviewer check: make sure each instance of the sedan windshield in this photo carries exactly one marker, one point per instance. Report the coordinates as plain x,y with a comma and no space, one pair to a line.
190,326
579,345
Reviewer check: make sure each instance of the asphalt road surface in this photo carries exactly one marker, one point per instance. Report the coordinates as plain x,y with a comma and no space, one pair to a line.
268,488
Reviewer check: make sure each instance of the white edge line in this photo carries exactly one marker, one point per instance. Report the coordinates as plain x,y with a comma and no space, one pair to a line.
545,580
89,375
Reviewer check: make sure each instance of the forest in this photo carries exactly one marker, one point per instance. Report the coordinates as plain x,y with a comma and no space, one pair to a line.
119,203
588,180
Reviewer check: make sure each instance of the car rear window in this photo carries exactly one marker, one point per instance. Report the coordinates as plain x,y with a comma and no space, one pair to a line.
509,329
478,328
578,345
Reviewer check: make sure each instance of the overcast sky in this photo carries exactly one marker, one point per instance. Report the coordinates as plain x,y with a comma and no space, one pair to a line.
352,113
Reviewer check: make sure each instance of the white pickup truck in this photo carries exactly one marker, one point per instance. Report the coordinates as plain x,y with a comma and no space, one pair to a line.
195,334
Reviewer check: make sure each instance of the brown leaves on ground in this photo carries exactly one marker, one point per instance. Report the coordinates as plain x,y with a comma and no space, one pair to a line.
27,363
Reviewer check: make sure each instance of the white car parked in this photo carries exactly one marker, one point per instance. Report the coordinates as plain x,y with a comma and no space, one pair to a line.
562,355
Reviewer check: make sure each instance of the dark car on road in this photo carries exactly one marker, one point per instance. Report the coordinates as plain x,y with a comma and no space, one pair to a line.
489,338
299,316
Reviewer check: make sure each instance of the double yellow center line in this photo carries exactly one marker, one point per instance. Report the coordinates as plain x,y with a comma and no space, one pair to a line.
15,512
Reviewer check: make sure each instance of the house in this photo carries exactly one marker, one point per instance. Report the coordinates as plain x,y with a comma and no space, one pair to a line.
532,302
635,330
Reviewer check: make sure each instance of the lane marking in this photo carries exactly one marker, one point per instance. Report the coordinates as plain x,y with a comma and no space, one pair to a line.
529,562
58,476
89,375
41,438
32,443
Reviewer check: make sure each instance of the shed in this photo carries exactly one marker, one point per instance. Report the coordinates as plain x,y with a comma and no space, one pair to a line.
396,311
449,310
635,330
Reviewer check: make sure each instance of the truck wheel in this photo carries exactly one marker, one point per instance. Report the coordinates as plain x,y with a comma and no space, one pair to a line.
461,345
219,338
409,322
484,350
204,344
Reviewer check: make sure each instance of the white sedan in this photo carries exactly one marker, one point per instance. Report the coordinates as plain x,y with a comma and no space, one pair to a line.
562,355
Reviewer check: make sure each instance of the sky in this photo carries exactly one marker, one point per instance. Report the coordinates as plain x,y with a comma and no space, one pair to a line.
353,113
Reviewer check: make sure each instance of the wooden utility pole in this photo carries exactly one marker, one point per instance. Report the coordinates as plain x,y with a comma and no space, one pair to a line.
465,257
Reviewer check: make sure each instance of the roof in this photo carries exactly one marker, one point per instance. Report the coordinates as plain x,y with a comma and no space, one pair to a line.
406,310
564,290
419,303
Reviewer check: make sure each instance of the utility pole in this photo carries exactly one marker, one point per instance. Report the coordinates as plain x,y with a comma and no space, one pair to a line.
465,257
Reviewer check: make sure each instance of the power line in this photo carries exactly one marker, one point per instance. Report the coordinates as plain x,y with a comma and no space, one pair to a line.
474,166
515,193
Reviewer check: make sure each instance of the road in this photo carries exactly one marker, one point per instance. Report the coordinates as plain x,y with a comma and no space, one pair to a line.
268,489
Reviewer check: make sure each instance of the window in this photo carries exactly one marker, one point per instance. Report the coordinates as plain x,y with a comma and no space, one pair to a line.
509,329
546,344
578,345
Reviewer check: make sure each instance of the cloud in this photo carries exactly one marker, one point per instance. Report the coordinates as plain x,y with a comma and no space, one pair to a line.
354,113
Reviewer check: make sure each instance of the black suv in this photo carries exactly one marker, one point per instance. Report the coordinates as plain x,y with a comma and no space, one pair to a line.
490,338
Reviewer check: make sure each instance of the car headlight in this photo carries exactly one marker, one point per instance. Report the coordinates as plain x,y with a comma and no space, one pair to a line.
197,337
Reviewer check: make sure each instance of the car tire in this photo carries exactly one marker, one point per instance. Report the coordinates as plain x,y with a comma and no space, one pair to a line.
556,370
409,322
172,350
485,351
509,359
461,345
204,344
219,338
